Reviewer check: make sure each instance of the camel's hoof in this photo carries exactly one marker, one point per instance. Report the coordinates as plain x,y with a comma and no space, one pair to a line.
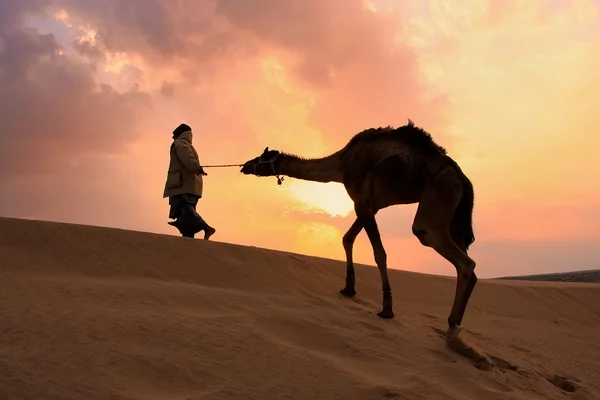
348,292
386,314
453,333
456,343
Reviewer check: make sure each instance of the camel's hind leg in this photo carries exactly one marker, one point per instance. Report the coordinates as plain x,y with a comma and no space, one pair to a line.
348,241
432,227
466,296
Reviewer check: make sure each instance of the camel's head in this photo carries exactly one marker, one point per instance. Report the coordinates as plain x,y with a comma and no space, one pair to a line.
264,165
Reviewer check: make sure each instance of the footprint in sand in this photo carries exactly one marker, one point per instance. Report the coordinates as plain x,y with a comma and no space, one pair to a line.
458,344
570,385
443,356
390,394
504,365
563,383
439,332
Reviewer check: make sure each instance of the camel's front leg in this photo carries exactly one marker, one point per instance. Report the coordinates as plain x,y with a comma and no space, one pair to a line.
370,225
348,242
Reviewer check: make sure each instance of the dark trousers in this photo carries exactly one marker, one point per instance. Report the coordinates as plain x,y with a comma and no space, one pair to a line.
183,209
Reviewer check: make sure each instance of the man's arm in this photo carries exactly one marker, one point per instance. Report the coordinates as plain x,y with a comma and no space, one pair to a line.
184,151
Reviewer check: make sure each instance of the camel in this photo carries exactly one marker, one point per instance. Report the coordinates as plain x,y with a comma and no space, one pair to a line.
381,167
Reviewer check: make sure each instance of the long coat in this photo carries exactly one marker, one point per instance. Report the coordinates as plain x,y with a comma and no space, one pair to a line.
184,175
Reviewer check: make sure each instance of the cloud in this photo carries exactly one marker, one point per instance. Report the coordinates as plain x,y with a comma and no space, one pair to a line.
340,49
52,111
349,59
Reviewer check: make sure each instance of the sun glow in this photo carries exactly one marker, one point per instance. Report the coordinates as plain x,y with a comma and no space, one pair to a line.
328,197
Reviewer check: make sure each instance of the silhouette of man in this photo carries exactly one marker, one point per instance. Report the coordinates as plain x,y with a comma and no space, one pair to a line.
184,185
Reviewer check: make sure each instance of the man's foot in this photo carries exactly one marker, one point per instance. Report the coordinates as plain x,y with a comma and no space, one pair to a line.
208,232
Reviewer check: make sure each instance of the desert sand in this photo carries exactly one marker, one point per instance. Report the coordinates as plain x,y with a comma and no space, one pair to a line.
97,313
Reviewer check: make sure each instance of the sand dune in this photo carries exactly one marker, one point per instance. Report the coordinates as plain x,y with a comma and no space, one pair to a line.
590,276
95,313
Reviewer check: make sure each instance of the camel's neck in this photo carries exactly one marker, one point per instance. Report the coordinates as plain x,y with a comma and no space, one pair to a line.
317,170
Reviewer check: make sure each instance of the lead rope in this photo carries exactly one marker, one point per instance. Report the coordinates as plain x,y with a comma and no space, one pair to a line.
279,178
222,165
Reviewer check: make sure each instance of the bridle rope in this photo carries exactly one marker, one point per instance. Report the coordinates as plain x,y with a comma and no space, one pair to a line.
271,161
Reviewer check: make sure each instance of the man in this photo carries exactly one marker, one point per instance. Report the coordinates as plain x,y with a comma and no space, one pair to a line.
184,185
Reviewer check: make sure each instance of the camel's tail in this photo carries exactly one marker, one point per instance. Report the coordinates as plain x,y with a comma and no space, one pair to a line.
461,225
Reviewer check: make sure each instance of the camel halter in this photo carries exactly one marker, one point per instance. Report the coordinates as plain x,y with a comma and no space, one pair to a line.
271,161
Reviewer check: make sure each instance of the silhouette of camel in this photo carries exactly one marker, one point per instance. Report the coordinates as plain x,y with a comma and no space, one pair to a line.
388,166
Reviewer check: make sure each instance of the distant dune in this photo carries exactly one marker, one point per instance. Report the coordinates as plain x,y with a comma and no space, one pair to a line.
590,276
97,313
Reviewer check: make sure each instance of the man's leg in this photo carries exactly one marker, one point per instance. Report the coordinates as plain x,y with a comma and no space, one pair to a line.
174,210
190,222
174,206
208,230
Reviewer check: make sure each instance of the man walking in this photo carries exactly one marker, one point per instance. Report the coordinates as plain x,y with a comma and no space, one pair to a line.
184,185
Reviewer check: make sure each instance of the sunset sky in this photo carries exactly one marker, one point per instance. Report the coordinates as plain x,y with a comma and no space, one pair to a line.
90,92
